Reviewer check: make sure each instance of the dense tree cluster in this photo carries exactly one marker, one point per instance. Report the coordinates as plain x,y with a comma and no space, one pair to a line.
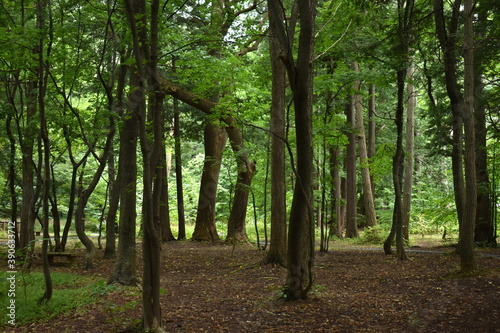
331,116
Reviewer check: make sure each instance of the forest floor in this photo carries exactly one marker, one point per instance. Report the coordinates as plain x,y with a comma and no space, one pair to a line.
218,288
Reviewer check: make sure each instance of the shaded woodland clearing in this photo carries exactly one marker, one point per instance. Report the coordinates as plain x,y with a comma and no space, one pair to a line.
210,288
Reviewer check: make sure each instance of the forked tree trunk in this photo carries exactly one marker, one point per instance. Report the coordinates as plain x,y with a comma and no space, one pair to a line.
84,198
300,256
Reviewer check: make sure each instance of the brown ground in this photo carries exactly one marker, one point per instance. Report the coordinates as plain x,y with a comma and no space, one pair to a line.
208,288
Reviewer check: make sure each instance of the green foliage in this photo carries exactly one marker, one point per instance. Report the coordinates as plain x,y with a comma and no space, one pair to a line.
375,235
70,292
101,288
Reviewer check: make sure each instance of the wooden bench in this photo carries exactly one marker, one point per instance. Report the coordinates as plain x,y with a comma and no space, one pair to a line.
70,257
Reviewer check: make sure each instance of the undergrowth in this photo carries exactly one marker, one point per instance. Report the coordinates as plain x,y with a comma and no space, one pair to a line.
70,291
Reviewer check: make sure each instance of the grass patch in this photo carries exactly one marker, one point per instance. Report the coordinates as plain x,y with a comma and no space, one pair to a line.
70,291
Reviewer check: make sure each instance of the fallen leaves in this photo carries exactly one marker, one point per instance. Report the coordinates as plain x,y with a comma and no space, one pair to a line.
209,290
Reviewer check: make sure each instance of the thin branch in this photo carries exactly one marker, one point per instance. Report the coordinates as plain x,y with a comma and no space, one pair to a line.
335,43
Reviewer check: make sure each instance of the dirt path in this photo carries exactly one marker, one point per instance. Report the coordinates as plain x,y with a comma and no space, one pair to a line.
207,288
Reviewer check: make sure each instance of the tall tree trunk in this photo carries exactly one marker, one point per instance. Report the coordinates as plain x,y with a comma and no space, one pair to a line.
277,247
372,129
145,53
466,232
115,181
124,271
246,169
178,174
12,179
337,226
410,155
371,217
114,200
484,231
351,201
27,232
215,141
300,256
42,84
163,211
447,40
84,198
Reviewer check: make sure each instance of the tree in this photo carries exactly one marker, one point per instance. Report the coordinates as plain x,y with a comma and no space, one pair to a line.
409,149
43,68
124,271
466,234
405,17
447,37
145,54
371,218
351,200
277,247
300,255
178,174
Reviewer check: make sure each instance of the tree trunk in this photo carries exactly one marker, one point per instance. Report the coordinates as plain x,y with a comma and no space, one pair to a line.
12,179
124,271
371,216
115,182
351,201
447,40
409,156
466,232
178,175
27,232
484,231
337,226
145,53
114,200
161,183
215,141
246,169
277,247
42,84
300,256
372,129
85,195
398,170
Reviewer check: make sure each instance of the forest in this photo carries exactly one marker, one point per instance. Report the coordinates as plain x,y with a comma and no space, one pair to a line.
278,131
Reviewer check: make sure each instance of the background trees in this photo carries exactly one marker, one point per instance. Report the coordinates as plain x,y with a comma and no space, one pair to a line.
61,118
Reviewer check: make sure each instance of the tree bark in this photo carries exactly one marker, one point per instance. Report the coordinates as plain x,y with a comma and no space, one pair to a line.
300,255
44,135
277,247
351,201
178,174
215,141
410,155
124,271
372,128
468,262
447,40
484,231
85,195
371,216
